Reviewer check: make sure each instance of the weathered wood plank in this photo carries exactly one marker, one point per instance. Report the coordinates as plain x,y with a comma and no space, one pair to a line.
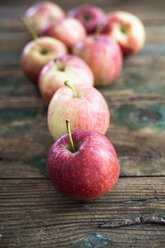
35,167
149,11
149,50
28,168
33,214
9,40
148,80
136,137
140,153
131,62
131,237
136,130
113,96
155,34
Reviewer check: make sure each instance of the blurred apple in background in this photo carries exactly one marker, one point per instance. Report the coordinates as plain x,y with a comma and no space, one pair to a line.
86,172
43,13
90,16
69,31
56,72
83,105
38,53
127,30
103,55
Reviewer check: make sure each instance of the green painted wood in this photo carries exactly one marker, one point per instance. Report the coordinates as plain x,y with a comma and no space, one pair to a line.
136,130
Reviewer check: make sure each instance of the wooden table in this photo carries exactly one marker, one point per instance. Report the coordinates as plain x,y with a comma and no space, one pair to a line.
32,213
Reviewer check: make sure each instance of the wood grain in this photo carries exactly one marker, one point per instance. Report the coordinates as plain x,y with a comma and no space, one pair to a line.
34,214
139,143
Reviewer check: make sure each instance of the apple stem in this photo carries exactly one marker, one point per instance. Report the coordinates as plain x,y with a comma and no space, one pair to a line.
60,67
123,28
71,87
28,27
98,29
70,135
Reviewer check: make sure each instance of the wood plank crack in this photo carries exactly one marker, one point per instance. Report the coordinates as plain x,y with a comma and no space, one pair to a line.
133,221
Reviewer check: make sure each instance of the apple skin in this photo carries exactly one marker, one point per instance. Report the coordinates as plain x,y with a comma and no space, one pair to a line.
75,70
68,30
88,173
43,13
34,55
127,30
90,16
88,111
103,55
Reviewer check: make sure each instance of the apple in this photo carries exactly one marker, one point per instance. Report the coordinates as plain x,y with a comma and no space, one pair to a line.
56,72
83,165
68,30
103,55
127,30
38,53
83,105
43,13
90,16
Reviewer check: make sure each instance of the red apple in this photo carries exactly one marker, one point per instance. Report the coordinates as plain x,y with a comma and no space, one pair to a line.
43,13
83,105
56,72
68,31
90,16
127,30
38,53
88,171
103,55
